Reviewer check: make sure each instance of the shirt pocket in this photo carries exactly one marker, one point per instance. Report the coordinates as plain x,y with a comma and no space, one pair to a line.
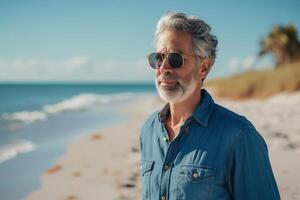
194,181
146,168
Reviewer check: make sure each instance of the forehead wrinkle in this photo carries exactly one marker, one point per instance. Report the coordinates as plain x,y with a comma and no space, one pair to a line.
170,41
165,46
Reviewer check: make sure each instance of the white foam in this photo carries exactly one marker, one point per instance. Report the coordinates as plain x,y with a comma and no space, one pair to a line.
25,116
12,150
76,103
80,102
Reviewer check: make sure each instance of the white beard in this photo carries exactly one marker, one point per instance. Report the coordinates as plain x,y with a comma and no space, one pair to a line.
180,92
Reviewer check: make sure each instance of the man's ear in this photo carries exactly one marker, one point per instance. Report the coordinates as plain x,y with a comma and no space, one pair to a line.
205,66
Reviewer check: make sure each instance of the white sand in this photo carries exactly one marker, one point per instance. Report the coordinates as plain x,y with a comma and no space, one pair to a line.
104,165
278,120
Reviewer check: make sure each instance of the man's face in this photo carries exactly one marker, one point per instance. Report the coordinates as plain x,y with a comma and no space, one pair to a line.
177,84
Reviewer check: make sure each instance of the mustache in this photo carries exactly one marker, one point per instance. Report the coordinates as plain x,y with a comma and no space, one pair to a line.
167,76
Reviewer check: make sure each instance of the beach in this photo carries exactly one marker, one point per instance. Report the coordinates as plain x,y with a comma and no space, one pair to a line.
39,121
104,164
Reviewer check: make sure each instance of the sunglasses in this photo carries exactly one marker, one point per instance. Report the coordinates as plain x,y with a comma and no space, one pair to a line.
176,60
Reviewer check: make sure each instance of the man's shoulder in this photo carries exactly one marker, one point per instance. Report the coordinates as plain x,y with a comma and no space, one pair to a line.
237,126
231,117
234,125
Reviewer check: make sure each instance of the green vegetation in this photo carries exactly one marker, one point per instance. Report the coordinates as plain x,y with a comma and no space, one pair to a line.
258,84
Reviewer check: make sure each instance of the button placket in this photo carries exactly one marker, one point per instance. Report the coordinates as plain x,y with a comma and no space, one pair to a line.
166,170
171,153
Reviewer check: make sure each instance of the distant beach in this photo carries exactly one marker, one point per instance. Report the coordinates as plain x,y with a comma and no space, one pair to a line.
105,164
39,121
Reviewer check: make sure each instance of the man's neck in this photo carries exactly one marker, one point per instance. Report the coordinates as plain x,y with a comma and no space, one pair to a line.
179,112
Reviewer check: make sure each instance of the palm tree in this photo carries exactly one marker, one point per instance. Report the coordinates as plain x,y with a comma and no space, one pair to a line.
283,43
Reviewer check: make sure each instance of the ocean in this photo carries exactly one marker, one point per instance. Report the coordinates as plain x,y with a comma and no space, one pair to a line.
38,121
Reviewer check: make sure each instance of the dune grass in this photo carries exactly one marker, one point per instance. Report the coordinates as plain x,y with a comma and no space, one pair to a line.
258,84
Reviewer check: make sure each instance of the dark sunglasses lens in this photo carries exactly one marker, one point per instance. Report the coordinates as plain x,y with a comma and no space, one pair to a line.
175,60
155,60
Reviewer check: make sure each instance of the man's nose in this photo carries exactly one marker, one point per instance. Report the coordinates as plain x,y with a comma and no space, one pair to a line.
165,66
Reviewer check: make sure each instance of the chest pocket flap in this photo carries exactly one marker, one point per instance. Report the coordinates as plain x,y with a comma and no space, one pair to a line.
196,173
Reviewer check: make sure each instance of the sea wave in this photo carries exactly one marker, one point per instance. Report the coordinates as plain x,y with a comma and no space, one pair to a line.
79,102
10,151
25,116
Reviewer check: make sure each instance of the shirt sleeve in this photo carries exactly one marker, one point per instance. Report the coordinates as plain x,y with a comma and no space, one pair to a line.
250,173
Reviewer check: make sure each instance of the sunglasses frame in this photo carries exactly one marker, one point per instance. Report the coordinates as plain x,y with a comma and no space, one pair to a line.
166,55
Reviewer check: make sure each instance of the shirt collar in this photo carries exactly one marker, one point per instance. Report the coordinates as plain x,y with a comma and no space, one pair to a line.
201,114
204,109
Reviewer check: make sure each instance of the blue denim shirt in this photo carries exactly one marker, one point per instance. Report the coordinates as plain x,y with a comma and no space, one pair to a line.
217,155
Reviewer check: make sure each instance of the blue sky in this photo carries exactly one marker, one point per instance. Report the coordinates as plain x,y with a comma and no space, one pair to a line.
101,41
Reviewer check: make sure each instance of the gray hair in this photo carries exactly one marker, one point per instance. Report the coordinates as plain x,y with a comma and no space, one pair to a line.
203,42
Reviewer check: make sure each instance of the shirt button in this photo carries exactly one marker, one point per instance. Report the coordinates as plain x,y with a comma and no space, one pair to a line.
165,139
195,174
166,167
163,197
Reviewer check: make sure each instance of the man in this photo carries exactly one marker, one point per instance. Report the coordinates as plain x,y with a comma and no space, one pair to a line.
194,148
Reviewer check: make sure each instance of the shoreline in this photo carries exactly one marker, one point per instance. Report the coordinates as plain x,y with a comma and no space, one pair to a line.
95,165
105,164
35,147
